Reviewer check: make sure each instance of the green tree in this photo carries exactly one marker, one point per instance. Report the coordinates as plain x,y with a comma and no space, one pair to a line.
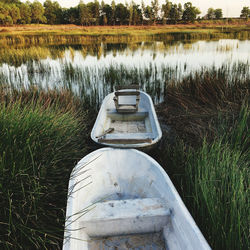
84,14
137,15
245,12
155,10
70,15
121,13
165,9
14,13
180,11
96,12
173,14
210,14
107,14
149,14
25,13
37,12
190,12
113,17
4,12
8,20
52,12
218,13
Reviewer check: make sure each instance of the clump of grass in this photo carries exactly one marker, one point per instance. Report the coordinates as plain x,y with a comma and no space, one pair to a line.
191,106
217,180
213,180
39,144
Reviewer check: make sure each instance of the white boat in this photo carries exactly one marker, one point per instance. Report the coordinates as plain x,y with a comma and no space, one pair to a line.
123,199
127,119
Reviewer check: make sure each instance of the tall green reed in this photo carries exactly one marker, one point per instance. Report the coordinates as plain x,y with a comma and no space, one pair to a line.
39,143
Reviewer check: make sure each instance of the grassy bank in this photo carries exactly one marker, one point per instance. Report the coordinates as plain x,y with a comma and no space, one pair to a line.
41,139
205,119
71,34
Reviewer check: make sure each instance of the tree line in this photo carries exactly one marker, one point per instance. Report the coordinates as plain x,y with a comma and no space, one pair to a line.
95,13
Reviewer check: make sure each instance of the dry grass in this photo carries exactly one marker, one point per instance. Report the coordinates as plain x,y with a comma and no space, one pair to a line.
129,30
191,107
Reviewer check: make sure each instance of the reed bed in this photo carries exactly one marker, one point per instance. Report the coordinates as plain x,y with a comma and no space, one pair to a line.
41,139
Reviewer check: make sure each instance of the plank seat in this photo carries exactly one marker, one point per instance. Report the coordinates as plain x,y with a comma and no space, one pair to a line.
121,217
127,99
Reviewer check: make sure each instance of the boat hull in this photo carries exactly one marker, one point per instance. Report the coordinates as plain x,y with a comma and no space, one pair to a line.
127,193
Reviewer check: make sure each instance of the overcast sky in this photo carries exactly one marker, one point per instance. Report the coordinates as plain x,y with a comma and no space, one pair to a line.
230,8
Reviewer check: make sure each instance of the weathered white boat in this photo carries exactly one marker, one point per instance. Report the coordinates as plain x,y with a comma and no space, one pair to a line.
123,199
127,119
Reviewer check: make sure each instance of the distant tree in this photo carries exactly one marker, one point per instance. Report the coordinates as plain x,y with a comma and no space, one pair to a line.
25,13
4,12
245,12
131,10
14,13
107,14
180,11
149,14
137,14
37,12
121,14
96,12
84,14
210,14
113,17
190,12
218,13
10,1
52,12
165,9
173,14
155,10
102,14
93,12
71,15
8,20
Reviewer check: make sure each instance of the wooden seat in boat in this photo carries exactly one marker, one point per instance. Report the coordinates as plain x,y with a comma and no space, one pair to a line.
121,217
127,98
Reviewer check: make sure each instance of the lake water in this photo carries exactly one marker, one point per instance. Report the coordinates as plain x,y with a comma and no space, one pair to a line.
93,70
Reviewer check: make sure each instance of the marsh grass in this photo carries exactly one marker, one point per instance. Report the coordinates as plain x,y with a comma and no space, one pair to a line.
42,136
213,180
40,35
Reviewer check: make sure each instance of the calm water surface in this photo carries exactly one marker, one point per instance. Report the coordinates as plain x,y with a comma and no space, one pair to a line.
90,70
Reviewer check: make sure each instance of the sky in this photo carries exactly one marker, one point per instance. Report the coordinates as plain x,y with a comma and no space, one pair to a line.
230,8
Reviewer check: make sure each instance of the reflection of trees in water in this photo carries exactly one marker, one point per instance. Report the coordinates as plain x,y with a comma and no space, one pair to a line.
18,50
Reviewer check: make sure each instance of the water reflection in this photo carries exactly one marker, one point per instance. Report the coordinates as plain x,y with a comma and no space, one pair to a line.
93,70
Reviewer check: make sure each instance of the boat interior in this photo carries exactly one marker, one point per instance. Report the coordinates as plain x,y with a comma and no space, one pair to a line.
132,127
126,121
123,199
